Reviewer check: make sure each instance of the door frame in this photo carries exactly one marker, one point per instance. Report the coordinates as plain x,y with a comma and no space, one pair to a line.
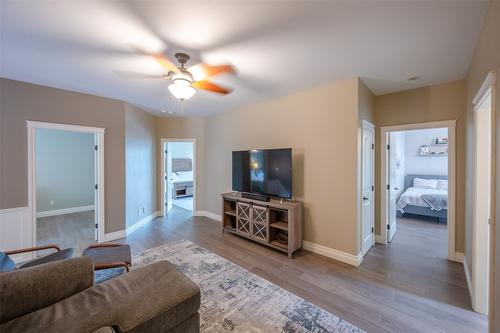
451,126
488,86
98,132
163,142
364,126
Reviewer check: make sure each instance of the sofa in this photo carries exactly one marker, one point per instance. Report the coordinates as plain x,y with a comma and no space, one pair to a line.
61,297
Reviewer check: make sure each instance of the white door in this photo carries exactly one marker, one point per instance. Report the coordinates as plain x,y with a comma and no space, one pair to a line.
482,204
367,186
391,188
168,178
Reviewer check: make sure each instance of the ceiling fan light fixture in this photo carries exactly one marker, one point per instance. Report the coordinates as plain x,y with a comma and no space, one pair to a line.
181,89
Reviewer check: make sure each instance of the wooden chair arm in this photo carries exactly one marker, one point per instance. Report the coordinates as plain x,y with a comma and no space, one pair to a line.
114,264
93,246
32,249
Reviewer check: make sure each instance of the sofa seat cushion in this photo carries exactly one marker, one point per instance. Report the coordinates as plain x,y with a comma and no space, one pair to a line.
125,302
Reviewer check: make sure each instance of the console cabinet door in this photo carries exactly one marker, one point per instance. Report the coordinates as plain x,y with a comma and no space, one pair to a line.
243,218
260,223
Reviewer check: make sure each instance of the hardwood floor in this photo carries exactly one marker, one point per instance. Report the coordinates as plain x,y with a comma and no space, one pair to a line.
74,230
403,287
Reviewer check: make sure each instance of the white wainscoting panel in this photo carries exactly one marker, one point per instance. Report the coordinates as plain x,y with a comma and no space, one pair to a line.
16,231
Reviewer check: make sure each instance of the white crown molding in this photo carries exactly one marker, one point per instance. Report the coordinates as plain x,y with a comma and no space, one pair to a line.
65,211
347,258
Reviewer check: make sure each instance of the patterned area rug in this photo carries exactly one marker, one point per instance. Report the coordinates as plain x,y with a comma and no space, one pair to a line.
236,300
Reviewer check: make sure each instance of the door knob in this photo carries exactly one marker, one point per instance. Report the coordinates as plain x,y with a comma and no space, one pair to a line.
365,199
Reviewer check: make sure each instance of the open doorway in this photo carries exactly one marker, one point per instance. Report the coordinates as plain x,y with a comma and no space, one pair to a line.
179,170
65,165
418,189
418,184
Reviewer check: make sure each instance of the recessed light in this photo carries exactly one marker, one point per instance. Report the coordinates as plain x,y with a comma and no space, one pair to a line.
163,111
170,112
412,78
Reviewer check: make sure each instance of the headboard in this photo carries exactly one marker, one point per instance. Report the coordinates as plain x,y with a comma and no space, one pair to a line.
409,178
182,164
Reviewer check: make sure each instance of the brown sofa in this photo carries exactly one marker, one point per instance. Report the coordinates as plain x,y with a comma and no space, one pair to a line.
61,297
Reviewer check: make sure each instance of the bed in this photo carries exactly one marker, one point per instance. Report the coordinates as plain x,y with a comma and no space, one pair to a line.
182,177
429,202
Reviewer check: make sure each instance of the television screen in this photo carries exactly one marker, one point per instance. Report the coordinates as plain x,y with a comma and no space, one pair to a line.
266,172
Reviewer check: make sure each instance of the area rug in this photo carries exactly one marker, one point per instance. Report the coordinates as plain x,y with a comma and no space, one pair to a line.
236,300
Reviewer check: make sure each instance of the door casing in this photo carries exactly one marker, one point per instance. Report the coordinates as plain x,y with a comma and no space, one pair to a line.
384,200
367,127
98,171
163,143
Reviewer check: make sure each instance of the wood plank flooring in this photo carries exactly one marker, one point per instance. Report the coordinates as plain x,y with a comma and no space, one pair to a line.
74,230
407,286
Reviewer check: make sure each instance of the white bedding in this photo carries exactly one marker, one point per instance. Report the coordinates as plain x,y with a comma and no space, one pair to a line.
182,176
413,196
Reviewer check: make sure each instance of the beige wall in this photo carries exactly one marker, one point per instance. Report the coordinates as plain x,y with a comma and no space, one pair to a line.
183,128
486,58
433,103
22,101
320,124
141,159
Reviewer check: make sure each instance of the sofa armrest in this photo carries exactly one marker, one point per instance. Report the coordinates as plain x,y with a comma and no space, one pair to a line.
153,293
29,289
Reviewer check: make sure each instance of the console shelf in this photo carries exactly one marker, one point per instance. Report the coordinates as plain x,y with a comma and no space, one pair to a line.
277,224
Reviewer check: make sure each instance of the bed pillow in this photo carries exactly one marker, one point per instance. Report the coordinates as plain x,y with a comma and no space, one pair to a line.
442,184
425,183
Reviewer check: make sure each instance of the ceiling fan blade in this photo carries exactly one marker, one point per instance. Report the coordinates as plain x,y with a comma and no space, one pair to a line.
203,71
212,87
160,58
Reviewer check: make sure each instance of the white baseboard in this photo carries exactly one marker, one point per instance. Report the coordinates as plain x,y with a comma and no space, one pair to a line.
142,222
348,258
459,257
210,215
65,211
378,239
115,235
467,275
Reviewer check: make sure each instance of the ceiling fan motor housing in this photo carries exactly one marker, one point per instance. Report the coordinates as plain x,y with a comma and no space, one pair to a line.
182,58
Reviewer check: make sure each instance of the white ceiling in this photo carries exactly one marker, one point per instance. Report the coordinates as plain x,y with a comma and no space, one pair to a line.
278,47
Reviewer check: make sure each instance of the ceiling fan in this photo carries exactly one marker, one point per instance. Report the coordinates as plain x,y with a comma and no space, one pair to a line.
184,80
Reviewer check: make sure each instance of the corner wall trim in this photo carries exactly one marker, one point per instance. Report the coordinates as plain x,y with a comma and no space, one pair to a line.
347,258
468,276
459,257
115,235
65,211
379,239
210,215
142,222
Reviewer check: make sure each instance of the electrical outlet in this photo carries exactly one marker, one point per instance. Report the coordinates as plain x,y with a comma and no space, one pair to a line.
51,202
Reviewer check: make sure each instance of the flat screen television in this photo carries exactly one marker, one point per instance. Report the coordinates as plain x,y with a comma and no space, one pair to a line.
265,172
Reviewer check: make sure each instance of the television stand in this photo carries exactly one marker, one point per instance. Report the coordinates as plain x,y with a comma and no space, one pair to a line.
275,223
255,196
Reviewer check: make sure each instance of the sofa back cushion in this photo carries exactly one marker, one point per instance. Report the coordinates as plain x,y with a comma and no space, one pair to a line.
30,289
